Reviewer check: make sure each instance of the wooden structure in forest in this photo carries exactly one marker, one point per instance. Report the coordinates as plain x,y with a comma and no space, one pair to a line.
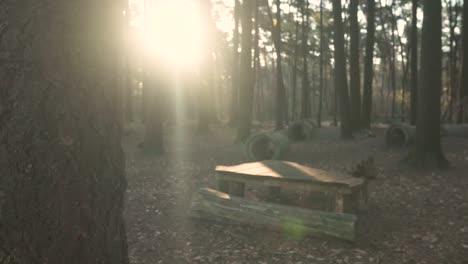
346,195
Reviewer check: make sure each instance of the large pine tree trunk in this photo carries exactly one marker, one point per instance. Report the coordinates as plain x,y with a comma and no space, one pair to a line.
369,65
464,73
62,177
414,61
428,146
341,83
245,78
355,80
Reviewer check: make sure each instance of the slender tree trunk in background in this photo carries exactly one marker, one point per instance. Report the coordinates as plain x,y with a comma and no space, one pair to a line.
382,87
245,78
235,67
128,93
154,83
305,105
280,92
453,23
256,77
369,65
464,72
319,115
62,180
294,73
355,80
206,110
341,83
128,86
393,61
413,42
427,147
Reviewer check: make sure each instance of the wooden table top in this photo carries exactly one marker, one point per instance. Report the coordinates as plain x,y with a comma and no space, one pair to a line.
287,171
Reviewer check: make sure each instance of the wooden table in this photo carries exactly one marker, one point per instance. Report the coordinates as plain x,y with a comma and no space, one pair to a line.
349,193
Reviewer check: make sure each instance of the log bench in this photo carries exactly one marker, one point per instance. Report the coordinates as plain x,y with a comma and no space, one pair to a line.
347,194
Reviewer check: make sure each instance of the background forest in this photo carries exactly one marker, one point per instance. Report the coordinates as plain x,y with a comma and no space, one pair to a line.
115,113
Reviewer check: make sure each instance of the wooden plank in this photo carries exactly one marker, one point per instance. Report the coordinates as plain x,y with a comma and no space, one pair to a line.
277,182
288,171
213,205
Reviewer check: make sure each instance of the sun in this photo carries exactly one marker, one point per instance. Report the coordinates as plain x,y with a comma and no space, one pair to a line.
172,33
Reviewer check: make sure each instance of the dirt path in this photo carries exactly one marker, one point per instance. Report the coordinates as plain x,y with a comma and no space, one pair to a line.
413,217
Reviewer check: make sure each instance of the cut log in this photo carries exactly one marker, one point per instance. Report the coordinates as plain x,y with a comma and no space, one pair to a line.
266,146
399,134
302,130
214,205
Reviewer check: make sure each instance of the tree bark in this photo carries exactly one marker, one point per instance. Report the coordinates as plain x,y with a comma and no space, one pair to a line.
369,65
428,146
413,41
355,80
245,78
341,83
62,173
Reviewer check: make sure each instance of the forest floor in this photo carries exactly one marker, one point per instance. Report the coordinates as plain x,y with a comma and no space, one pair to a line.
413,216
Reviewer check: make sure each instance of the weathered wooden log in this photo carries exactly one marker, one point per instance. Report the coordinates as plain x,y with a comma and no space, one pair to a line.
399,134
301,130
214,205
454,130
266,146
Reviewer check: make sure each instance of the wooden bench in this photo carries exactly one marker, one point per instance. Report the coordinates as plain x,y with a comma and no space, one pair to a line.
348,194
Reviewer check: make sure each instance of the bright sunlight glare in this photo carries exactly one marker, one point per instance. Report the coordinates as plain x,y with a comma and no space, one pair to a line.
172,33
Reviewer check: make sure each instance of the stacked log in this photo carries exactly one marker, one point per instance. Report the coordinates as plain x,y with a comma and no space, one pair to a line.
218,206
266,146
302,130
399,134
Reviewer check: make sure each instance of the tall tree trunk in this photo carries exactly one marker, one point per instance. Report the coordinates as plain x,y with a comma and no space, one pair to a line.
341,83
280,92
206,110
154,82
256,77
428,146
319,115
393,61
235,78
305,105
355,80
453,23
414,61
62,180
294,73
369,65
245,78
464,73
